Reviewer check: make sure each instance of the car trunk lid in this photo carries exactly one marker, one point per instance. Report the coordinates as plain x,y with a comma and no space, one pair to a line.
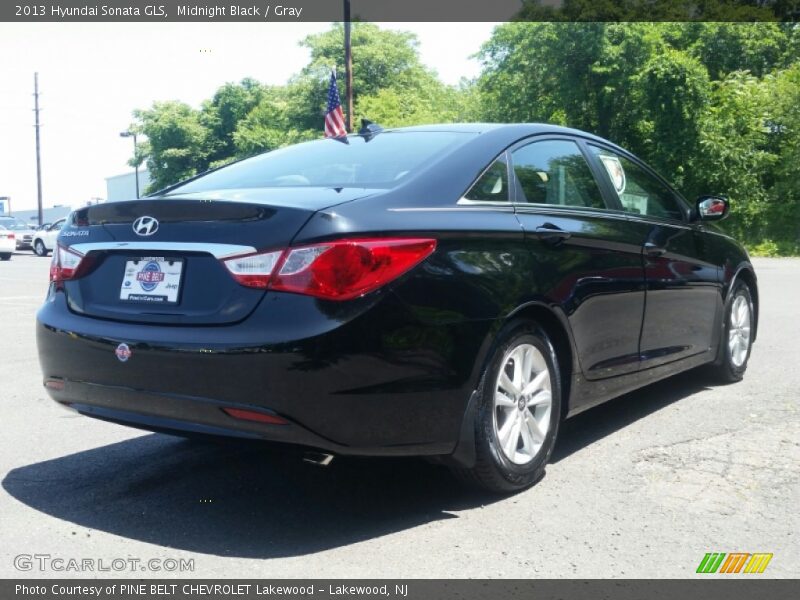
159,260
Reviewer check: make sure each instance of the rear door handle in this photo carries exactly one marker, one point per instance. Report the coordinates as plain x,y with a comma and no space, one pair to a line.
550,232
653,250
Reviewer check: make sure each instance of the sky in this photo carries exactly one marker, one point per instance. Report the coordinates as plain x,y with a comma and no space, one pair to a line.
93,75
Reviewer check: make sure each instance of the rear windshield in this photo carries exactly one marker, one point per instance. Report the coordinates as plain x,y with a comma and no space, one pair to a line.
382,162
14,225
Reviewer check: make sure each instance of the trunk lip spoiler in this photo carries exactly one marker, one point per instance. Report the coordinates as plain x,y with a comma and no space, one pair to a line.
219,251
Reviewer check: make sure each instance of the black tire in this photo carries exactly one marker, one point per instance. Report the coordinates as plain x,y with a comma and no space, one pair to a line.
493,471
39,248
727,371
5,256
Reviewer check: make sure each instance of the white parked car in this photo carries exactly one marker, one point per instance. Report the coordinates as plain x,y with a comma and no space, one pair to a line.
8,243
23,232
45,239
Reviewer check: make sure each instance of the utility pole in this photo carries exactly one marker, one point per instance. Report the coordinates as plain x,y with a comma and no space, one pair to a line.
348,65
38,153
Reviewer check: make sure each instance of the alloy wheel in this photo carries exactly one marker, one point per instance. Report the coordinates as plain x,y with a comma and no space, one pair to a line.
739,331
522,403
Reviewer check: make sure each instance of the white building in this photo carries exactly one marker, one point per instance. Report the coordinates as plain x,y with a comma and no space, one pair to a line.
49,215
123,187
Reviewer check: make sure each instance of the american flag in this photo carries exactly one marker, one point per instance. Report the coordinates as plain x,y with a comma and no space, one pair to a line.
334,117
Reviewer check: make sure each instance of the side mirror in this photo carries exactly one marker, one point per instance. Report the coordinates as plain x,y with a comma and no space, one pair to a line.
712,208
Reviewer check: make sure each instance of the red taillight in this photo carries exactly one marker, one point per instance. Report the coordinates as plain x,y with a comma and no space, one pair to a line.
11,236
346,269
65,265
337,270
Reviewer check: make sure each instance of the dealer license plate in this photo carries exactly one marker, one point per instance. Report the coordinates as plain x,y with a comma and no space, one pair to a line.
152,280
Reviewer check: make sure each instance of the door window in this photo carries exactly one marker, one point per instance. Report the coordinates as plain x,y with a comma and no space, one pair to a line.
638,191
555,172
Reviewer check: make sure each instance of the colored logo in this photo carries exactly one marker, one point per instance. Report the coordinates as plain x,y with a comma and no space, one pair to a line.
150,276
145,226
734,562
123,352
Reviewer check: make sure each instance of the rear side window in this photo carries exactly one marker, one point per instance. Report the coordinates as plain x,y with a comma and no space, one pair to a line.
639,192
384,161
492,185
555,172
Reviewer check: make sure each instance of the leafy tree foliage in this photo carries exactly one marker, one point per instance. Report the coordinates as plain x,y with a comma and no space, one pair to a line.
390,84
177,143
385,58
714,107
221,115
657,10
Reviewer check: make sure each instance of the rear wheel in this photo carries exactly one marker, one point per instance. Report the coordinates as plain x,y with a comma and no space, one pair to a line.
5,256
39,248
737,339
518,413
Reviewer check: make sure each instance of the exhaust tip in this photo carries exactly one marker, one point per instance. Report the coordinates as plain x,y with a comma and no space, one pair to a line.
54,384
319,459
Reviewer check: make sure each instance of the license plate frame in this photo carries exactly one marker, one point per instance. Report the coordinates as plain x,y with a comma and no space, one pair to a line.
152,280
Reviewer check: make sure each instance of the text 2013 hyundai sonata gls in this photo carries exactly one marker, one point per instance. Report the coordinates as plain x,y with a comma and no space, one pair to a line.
447,291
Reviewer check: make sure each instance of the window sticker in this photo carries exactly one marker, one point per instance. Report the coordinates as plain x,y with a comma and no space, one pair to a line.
615,171
634,203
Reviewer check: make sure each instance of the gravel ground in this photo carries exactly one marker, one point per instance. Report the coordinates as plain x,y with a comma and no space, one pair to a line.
642,486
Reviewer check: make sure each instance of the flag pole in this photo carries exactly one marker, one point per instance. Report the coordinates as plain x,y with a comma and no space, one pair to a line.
348,66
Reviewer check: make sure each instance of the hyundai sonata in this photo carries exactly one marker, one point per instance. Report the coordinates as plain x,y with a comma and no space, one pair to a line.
444,291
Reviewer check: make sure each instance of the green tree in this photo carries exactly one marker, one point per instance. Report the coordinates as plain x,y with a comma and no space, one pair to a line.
727,47
391,86
271,124
580,74
734,156
221,115
671,92
247,117
715,107
659,10
177,142
712,106
382,59
784,131
433,103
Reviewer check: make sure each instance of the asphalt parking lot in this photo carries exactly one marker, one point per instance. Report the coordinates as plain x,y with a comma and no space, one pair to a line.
643,486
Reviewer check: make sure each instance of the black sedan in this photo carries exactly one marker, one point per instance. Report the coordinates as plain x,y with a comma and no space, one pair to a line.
445,291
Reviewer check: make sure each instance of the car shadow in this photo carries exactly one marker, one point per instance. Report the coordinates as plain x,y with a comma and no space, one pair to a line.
257,501
580,431
237,499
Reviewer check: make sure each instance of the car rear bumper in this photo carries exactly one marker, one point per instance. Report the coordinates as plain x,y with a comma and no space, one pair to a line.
183,415
374,381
